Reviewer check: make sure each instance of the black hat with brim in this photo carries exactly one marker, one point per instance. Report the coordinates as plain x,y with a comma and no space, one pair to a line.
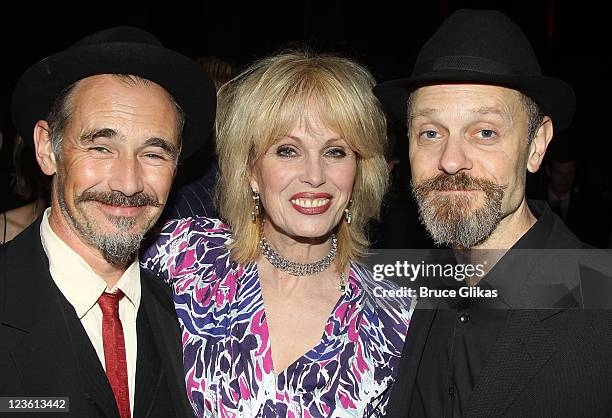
119,50
481,47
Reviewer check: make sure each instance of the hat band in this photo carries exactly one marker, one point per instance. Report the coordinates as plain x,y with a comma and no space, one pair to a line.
463,63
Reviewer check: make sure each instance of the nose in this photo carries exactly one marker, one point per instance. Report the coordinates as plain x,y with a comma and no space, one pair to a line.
127,176
313,172
454,158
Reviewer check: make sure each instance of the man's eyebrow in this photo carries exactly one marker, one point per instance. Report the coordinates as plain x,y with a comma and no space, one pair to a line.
167,146
89,136
488,109
423,113
494,110
164,144
480,110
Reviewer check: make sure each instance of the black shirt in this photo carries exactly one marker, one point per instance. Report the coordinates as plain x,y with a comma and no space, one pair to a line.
464,330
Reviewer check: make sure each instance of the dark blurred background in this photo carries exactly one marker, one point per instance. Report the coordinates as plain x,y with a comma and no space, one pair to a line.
570,38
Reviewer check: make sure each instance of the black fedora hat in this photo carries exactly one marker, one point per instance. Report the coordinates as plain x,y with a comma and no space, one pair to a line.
481,47
118,50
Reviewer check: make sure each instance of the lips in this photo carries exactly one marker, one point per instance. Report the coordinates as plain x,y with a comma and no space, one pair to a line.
127,211
311,203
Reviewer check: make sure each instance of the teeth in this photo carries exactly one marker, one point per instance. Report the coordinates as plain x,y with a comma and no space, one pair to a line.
310,203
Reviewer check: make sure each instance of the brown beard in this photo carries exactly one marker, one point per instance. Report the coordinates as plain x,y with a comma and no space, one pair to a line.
450,220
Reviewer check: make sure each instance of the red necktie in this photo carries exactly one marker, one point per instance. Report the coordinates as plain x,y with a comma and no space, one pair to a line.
114,350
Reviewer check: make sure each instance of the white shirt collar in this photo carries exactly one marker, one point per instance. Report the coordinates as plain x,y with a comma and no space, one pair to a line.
76,279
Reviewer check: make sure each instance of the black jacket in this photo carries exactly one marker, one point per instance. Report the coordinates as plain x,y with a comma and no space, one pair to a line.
44,350
554,362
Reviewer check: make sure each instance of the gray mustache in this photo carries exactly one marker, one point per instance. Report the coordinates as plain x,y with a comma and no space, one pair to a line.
118,199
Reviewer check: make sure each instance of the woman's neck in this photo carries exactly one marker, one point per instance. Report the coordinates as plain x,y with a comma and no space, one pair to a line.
297,249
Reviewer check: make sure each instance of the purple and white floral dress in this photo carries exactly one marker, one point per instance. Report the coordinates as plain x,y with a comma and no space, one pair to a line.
226,345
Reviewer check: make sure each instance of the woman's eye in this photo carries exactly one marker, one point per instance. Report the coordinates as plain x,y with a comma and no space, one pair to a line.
285,152
336,152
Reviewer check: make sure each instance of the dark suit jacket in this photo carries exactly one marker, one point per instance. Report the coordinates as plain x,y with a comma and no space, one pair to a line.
553,362
44,350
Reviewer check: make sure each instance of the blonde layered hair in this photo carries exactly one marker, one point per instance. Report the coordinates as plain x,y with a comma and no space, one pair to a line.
262,104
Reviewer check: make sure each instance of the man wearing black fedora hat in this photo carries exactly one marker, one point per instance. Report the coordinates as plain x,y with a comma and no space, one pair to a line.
518,341
109,118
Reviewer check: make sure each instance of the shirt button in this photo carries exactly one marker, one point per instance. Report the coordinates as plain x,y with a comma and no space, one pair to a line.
464,318
451,391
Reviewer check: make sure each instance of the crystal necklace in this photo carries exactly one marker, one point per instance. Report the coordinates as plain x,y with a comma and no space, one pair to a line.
298,269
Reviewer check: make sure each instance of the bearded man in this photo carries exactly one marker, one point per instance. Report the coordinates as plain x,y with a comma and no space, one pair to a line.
109,118
480,114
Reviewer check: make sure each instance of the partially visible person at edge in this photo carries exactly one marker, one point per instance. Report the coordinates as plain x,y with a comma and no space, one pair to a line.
30,185
109,118
480,115
279,317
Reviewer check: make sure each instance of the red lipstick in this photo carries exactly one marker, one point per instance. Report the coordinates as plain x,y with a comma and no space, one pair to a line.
314,200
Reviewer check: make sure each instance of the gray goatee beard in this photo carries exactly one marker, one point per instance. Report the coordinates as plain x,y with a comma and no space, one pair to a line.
120,247
450,220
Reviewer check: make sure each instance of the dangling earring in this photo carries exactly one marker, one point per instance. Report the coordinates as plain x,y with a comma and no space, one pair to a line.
348,215
256,206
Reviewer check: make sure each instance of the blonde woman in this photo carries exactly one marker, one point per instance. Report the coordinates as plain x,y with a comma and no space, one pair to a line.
278,317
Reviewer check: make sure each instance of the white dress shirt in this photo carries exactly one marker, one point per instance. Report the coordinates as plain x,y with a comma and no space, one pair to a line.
82,287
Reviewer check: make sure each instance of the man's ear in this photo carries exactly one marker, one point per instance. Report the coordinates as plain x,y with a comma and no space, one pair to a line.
44,148
539,144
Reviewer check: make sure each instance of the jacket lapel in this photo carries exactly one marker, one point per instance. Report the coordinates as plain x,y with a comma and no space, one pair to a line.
96,387
524,343
521,349
30,306
148,368
52,357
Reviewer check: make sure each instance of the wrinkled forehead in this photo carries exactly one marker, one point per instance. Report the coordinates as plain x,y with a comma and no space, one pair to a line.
465,99
139,103
106,89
